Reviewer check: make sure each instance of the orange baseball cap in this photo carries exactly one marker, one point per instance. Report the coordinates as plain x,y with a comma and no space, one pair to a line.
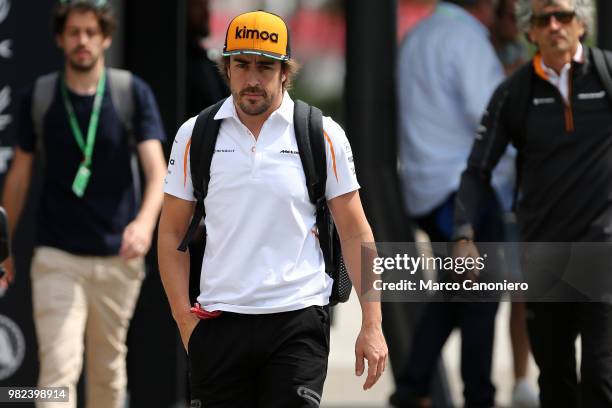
259,33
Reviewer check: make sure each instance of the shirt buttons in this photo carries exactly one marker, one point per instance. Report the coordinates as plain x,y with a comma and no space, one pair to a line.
253,149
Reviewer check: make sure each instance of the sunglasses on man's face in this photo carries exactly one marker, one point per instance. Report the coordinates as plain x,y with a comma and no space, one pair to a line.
543,20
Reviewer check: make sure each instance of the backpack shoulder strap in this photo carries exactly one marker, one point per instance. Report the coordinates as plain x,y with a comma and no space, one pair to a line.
42,96
308,125
203,140
120,83
317,141
603,65
121,92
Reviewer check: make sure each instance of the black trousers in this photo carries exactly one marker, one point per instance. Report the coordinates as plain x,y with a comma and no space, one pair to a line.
553,328
477,324
475,320
268,360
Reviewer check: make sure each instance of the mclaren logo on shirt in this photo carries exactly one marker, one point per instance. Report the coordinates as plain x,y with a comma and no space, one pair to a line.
543,101
592,95
289,152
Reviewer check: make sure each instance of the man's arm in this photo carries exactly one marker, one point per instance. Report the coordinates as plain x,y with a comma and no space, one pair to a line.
353,229
490,144
16,188
174,264
138,234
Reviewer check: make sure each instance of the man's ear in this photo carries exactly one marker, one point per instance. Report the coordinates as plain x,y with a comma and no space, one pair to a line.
582,30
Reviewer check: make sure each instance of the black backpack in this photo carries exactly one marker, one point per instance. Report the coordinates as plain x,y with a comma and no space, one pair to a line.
308,124
519,101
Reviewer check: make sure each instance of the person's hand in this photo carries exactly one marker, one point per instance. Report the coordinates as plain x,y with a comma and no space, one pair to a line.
371,346
186,324
465,249
9,273
136,240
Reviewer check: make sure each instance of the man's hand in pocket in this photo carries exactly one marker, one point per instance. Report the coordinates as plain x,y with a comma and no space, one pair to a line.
186,324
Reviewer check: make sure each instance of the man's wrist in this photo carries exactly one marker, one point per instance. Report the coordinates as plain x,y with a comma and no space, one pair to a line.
148,222
371,324
464,232
372,315
183,314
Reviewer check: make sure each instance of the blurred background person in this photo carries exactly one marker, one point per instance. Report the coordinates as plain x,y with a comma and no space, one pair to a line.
447,69
513,52
505,36
564,147
92,233
205,86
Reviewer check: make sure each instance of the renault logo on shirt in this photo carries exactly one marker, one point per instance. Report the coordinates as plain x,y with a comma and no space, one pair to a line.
246,33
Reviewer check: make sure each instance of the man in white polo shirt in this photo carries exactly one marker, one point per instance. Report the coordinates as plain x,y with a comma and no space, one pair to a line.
262,336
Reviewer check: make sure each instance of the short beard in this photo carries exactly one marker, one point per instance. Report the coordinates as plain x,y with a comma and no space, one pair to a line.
82,67
254,110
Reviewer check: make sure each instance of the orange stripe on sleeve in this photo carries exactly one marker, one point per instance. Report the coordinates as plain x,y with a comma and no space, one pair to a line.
185,155
333,154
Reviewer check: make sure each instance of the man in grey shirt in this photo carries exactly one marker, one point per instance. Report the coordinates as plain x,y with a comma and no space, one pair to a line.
447,71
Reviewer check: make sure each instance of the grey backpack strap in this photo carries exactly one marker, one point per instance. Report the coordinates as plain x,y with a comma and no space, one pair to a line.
120,84
121,92
44,91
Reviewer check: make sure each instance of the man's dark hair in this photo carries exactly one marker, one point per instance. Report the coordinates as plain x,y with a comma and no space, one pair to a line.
103,14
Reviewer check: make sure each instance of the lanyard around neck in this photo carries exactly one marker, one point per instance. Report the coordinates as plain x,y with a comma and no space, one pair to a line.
86,146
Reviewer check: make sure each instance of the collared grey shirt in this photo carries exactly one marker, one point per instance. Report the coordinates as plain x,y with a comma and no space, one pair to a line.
447,71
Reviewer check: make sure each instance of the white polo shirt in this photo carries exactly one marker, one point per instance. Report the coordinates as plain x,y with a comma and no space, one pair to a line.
262,255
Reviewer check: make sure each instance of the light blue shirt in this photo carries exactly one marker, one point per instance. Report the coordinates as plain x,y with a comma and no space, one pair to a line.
447,71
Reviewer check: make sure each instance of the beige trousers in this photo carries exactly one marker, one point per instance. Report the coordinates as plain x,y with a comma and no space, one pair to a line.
84,303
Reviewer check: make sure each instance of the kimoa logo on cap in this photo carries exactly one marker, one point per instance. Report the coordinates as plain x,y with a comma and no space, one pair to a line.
246,33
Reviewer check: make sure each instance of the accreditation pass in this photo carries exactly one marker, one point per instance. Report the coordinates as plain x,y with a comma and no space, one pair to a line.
34,394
